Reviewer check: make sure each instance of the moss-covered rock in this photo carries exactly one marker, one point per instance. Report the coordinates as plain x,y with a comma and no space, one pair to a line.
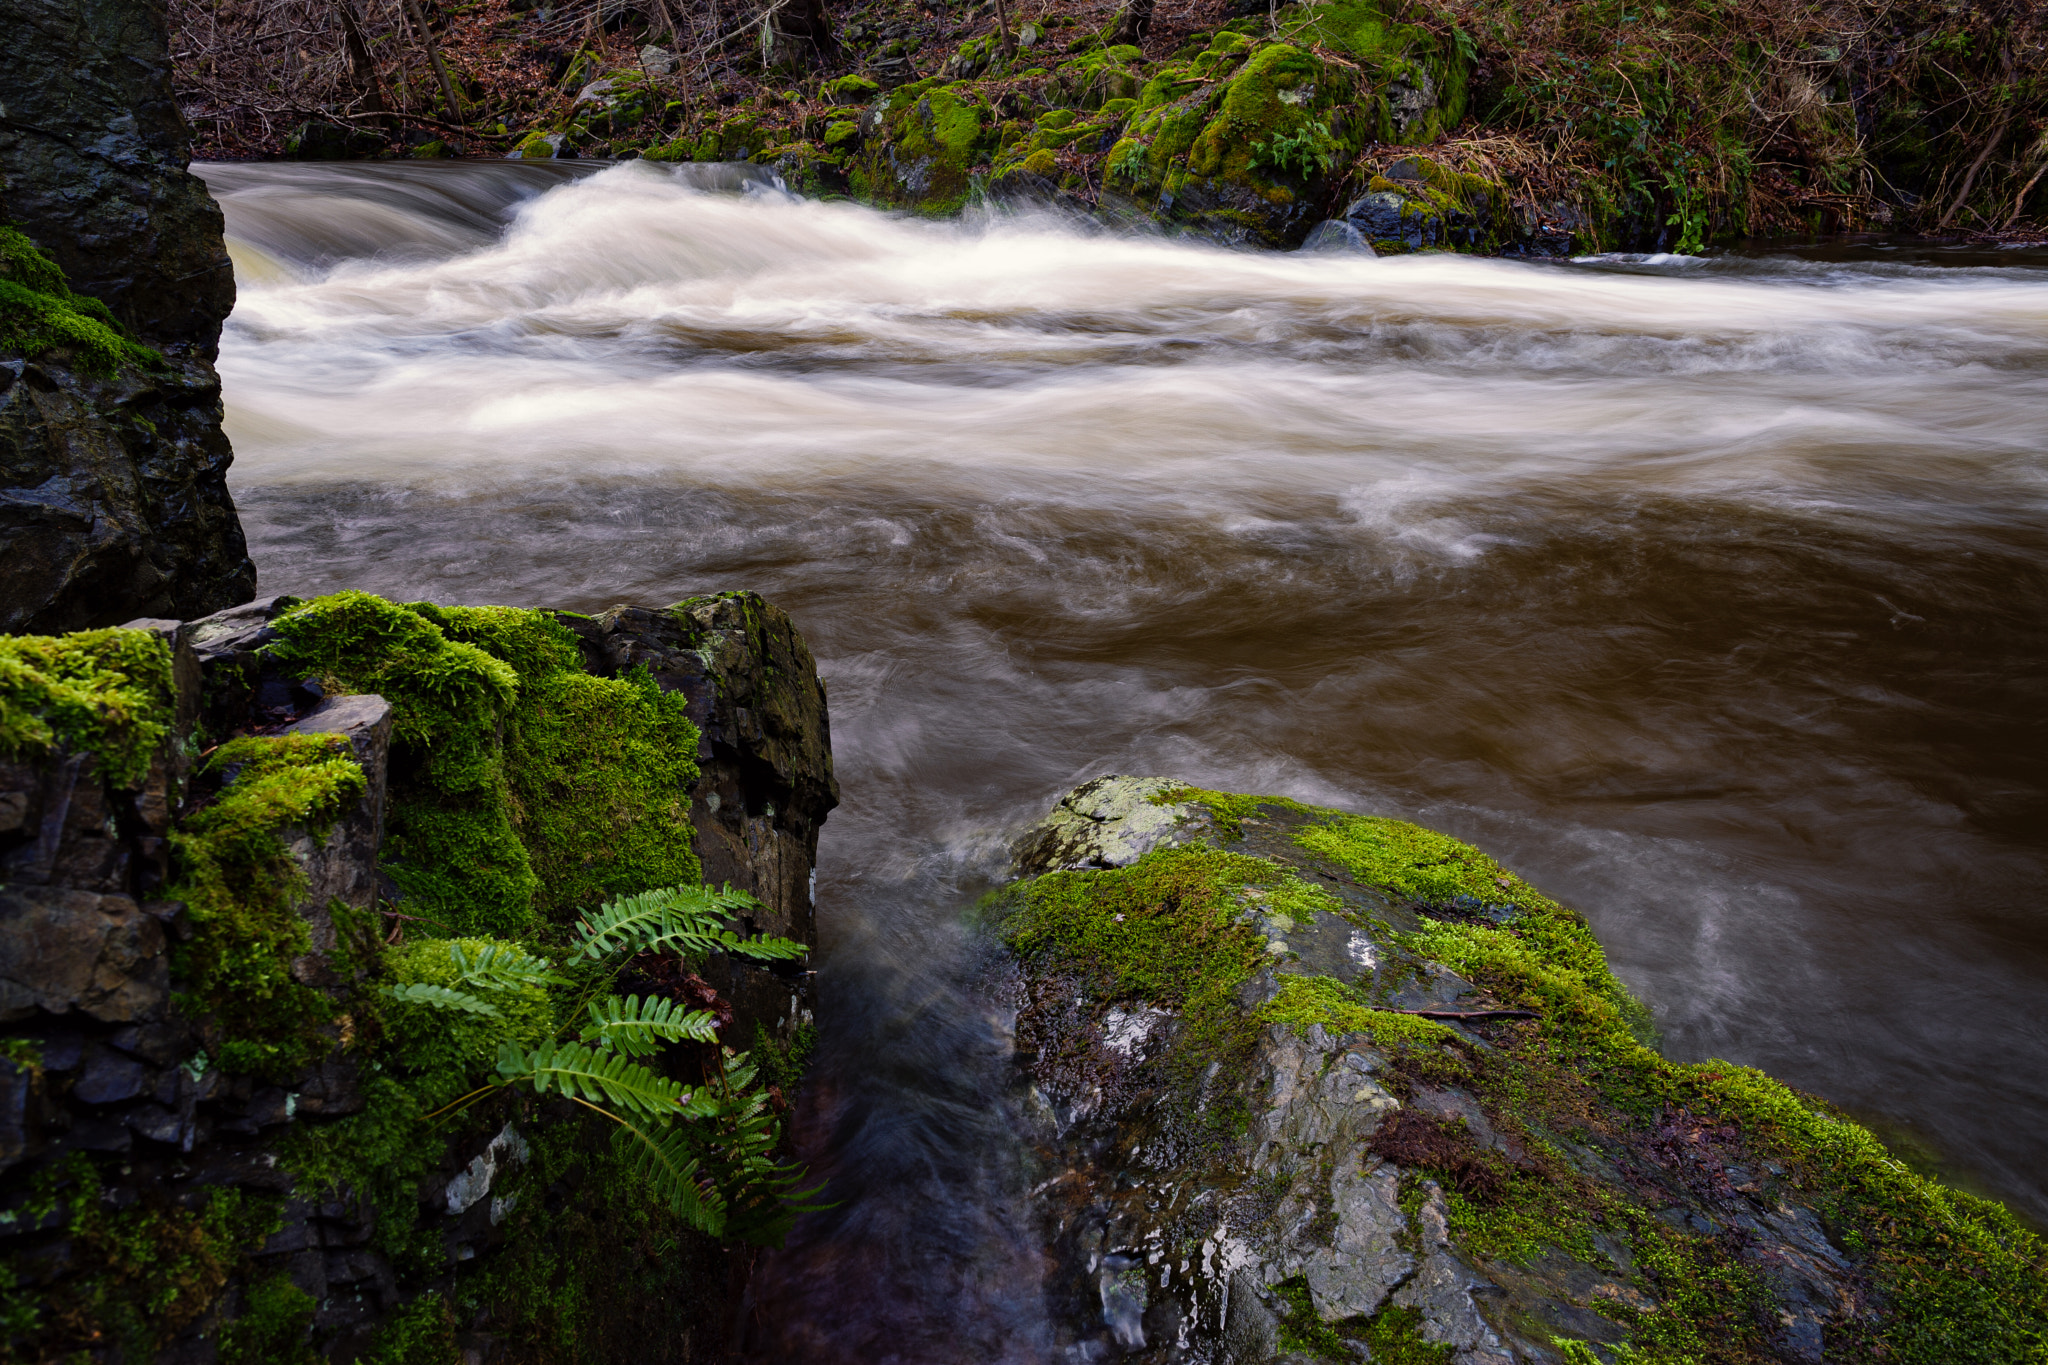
1325,1081
1419,204
925,144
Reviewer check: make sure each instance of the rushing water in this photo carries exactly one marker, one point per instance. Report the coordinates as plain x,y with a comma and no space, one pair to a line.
1713,595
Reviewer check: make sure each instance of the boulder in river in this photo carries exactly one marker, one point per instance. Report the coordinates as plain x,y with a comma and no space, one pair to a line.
1310,1085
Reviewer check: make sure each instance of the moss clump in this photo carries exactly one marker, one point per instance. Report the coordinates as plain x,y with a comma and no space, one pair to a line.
39,313
421,1333
1304,1001
239,882
521,783
1548,949
1392,1336
106,691
150,1269
276,1318
933,136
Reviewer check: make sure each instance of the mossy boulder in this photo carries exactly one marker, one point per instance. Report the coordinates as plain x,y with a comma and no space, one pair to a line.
1248,158
1419,204
1322,1082
925,144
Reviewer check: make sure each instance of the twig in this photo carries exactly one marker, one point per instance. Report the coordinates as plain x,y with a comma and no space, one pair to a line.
1468,1014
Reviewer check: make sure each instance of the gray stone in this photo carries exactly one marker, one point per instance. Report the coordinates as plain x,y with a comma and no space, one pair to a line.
1110,822
1443,1291
342,866
110,1078
62,950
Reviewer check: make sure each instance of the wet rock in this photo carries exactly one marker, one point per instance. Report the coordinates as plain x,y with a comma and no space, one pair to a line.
1364,1134
64,950
343,865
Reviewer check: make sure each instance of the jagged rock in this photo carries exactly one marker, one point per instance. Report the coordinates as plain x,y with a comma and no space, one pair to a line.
343,866
113,492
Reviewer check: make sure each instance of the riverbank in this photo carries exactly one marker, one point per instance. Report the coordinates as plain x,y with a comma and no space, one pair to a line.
1458,125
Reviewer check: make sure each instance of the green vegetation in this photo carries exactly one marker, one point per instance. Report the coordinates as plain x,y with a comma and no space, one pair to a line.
524,789
150,1268
1304,1001
40,314
1392,1335
240,885
106,691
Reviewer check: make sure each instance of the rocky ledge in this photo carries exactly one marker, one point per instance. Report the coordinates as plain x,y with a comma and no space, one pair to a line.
1317,1086
290,895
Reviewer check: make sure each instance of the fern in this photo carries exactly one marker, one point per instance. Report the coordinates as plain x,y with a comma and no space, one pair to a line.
587,1073
441,997
665,1160
737,1147
500,966
638,1027
1306,151
690,921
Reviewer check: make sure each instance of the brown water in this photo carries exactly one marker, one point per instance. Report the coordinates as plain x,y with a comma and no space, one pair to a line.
1712,595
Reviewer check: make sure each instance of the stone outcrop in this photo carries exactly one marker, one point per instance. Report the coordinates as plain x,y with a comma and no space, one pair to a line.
113,493
1317,1087
104,1062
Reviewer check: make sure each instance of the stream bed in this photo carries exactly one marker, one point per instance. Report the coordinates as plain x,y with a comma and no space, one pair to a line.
1710,594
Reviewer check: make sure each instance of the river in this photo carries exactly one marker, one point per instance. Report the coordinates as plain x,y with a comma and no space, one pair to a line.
1712,595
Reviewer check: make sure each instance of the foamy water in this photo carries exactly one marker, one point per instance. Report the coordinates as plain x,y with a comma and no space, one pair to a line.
1713,595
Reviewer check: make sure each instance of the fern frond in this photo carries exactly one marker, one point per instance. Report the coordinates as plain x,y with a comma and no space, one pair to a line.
501,966
441,997
583,1072
690,921
637,1027
737,1146
665,1160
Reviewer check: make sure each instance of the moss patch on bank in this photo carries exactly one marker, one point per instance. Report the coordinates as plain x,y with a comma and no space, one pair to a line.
241,886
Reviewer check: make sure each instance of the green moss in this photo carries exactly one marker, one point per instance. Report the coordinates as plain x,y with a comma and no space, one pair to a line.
148,1269
1230,809
1392,1336
1308,1000
272,1329
104,691
421,1333
39,313
239,883
850,90
1548,950
521,783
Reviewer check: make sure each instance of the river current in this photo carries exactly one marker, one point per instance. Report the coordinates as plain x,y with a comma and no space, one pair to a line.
1712,595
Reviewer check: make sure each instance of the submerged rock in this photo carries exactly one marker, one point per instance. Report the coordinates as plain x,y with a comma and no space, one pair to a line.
1316,1086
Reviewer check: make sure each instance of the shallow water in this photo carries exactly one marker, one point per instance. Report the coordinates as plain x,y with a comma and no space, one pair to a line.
1711,595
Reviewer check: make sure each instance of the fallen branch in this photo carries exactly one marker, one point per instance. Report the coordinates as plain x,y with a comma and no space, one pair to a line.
1468,1014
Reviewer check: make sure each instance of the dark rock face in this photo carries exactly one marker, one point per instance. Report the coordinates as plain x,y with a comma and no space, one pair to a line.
114,498
113,493
93,155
